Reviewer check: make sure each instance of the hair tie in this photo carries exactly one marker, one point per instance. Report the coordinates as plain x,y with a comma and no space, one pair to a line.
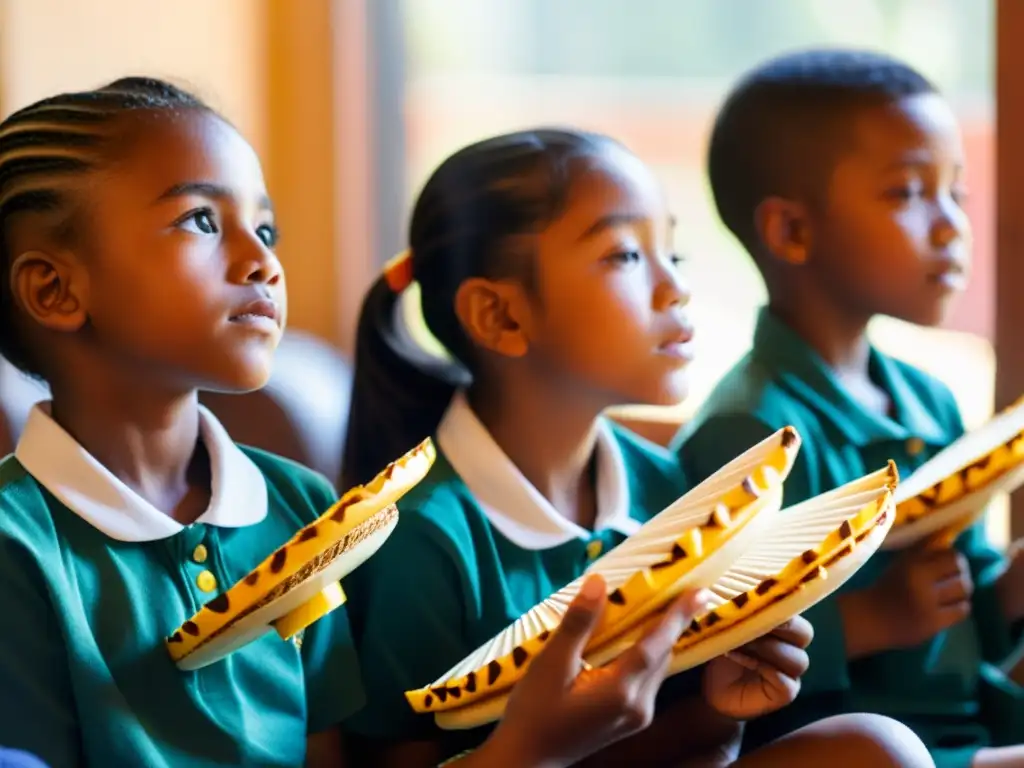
398,271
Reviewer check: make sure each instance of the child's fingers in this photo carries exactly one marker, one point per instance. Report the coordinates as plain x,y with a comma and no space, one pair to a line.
560,660
779,686
954,589
797,631
745,661
954,613
653,649
776,654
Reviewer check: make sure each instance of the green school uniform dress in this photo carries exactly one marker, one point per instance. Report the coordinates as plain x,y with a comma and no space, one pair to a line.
476,547
947,689
93,578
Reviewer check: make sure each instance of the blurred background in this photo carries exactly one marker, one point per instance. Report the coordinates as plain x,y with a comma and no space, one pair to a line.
351,104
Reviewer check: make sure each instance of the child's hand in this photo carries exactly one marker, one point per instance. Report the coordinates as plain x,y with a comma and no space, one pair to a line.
763,675
557,715
923,592
1010,585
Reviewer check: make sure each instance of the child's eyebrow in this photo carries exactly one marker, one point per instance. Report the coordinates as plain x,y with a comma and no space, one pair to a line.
209,190
617,220
917,160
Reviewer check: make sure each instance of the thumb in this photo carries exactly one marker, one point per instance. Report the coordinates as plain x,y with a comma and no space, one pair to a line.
563,654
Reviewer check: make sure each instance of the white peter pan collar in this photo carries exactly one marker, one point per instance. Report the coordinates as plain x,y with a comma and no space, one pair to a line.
62,466
510,501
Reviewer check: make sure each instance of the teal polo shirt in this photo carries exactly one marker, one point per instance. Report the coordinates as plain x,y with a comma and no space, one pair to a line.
476,547
947,688
93,578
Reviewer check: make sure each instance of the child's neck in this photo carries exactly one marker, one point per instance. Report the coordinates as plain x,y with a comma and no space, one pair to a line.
551,442
149,441
839,338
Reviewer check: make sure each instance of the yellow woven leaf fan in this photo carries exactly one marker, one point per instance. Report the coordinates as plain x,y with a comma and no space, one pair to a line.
950,492
298,583
690,543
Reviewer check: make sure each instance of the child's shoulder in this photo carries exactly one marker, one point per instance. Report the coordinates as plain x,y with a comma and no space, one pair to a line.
12,474
23,509
300,488
641,454
750,397
747,406
932,391
440,506
653,470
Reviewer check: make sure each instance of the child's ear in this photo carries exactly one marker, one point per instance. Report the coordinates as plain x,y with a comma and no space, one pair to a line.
491,313
784,228
50,289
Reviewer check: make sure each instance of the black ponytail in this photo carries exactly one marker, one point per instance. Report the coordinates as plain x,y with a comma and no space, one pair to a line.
469,221
399,394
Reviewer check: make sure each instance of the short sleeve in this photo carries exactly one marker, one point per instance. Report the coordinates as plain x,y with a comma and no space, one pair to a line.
334,688
409,622
39,714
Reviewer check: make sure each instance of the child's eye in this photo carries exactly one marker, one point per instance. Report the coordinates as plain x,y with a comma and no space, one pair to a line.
909,189
624,257
201,222
269,234
678,259
902,193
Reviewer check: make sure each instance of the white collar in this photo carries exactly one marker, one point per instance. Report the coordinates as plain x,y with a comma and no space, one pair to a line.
510,502
62,466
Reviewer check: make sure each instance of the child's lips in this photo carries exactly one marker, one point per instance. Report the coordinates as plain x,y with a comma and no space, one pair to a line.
680,345
680,350
262,314
951,277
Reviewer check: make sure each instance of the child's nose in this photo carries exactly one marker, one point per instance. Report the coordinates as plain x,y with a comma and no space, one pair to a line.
256,263
949,226
671,289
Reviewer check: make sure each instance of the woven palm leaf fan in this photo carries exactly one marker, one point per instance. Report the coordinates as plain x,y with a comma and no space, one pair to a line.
810,552
298,583
949,492
689,544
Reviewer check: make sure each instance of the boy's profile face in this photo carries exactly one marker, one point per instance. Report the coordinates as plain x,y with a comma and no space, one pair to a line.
892,237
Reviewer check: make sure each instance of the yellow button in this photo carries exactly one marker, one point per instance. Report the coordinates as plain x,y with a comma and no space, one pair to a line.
199,554
914,446
206,581
594,549
298,641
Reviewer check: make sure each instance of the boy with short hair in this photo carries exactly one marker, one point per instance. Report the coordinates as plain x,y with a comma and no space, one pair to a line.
840,172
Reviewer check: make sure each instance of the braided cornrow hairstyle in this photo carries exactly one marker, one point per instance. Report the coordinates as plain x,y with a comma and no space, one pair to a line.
46,147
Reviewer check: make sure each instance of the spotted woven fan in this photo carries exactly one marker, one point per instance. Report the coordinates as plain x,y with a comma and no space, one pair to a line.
809,552
298,583
949,493
691,543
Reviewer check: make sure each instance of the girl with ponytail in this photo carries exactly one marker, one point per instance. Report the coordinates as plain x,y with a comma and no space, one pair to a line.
541,264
